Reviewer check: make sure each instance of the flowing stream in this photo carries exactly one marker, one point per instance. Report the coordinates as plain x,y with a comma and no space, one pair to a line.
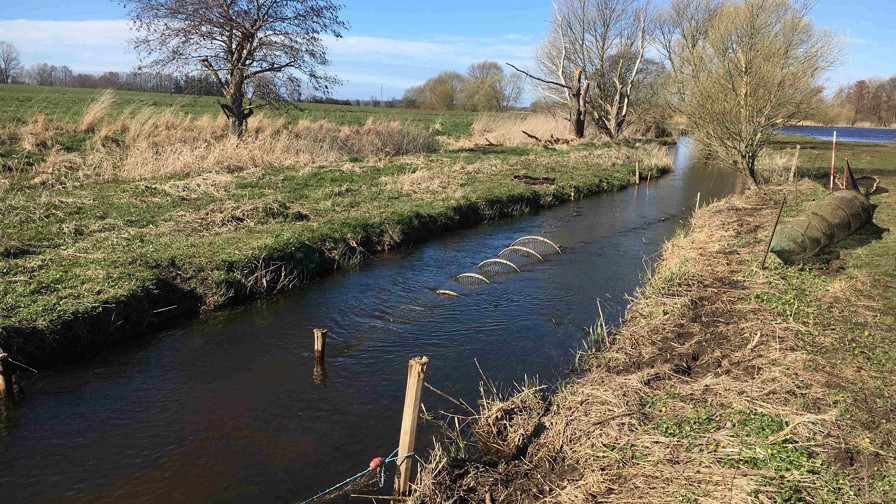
226,409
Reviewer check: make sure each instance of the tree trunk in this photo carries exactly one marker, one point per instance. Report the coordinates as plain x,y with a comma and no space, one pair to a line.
578,104
237,114
751,169
577,118
235,110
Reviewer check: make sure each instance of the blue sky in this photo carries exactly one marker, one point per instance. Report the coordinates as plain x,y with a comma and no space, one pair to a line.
398,43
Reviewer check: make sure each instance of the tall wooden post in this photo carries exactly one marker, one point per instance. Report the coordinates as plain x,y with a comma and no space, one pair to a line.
637,172
319,374
412,395
320,345
796,159
5,386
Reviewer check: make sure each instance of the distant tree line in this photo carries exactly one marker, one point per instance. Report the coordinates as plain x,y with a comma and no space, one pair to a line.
866,101
12,71
484,88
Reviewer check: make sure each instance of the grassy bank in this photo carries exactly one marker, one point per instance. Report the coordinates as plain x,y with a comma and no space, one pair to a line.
117,223
725,383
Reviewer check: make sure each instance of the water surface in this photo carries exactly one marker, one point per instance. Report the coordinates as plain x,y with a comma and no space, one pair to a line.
844,134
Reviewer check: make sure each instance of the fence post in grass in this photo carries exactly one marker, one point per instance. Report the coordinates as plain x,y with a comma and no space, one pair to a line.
796,159
412,395
637,172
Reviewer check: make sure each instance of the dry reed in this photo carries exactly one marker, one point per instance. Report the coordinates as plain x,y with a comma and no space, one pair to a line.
148,143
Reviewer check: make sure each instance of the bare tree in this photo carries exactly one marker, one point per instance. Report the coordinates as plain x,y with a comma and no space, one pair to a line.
591,60
10,63
237,41
740,69
40,74
488,88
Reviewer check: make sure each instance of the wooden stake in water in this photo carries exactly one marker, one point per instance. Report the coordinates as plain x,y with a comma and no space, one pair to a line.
833,160
412,395
4,376
320,345
637,172
698,203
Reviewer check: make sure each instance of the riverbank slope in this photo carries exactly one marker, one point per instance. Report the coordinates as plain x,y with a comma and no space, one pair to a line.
725,383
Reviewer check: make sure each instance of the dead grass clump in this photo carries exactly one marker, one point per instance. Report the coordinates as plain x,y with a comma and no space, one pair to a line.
212,183
97,110
60,168
229,215
507,128
506,423
773,167
36,134
441,179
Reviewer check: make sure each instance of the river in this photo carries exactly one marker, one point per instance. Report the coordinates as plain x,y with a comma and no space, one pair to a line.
225,409
844,133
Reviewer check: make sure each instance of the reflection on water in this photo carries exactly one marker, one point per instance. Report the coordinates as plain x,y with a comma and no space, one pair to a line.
227,409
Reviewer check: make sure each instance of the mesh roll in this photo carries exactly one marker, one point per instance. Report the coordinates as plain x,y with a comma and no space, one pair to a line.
825,223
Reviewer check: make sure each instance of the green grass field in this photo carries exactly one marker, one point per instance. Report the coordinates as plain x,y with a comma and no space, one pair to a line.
18,103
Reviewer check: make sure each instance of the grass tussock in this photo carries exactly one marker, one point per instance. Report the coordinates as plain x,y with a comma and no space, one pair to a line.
726,383
143,143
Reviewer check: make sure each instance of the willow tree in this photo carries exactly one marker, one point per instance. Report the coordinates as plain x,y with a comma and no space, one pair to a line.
238,42
591,60
740,69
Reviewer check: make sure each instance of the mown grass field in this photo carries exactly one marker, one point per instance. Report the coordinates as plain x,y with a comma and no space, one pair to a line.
725,383
152,216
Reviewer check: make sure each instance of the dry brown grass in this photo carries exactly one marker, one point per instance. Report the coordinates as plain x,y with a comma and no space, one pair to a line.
507,129
665,415
96,111
148,143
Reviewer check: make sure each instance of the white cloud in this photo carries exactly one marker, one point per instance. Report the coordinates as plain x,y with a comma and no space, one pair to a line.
443,51
87,46
101,45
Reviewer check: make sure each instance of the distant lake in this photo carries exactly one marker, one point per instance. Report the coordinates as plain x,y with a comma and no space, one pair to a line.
843,133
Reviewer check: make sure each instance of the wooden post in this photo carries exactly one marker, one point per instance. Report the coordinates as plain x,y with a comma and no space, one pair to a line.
4,377
637,172
845,176
416,373
796,159
698,203
772,237
320,345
